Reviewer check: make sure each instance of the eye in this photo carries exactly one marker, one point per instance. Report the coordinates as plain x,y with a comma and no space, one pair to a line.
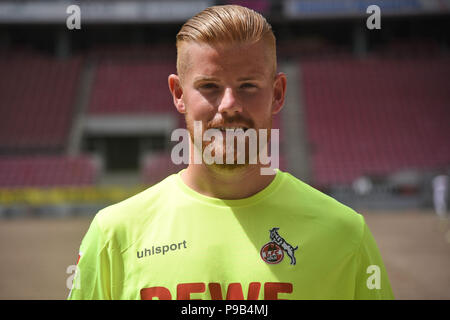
209,86
248,85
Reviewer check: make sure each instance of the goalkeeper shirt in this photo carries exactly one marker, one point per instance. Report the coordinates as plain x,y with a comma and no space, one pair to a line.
288,241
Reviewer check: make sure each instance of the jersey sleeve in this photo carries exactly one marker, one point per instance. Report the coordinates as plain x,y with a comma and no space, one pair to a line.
92,277
372,282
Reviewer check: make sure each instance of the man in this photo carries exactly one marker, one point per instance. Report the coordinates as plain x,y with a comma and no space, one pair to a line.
225,230
440,185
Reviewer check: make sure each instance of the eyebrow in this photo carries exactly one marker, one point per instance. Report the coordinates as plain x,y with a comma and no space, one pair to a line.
205,78
258,77
247,78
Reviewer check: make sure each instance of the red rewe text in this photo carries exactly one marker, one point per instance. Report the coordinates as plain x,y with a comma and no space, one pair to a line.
234,291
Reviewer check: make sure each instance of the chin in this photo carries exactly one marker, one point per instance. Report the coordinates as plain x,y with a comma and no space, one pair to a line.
229,167
237,155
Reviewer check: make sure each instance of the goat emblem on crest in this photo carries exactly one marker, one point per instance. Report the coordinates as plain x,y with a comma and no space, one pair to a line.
273,252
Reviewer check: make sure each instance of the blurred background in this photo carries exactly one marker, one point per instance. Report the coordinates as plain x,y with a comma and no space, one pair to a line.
86,119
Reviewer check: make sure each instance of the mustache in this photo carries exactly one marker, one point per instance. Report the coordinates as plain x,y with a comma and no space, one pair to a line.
237,121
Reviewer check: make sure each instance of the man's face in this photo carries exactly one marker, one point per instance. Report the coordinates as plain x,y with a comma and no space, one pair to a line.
229,86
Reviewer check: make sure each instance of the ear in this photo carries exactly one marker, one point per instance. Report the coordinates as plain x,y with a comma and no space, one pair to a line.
279,92
177,92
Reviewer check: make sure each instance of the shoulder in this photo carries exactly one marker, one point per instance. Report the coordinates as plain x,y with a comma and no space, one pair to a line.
144,199
117,220
324,211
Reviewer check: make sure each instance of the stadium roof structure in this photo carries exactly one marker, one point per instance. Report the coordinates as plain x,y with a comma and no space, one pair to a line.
100,11
176,11
319,9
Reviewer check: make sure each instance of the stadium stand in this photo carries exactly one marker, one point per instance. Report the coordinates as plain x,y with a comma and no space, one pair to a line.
131,87
371,116
128,81
37,102
376,116
156,167
48,171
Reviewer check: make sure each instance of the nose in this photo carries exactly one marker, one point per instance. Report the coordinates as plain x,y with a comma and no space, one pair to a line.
229,104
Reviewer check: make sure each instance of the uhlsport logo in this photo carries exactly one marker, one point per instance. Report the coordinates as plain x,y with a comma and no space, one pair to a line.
273,251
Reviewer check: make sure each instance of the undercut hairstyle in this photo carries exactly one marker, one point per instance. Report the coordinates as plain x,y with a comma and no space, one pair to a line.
227,24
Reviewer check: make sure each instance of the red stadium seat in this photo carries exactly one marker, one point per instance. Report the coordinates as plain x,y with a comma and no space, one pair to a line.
376,116
37,100
48,171
132,81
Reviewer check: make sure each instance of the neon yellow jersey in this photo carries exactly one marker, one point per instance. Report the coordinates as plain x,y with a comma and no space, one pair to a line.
289,241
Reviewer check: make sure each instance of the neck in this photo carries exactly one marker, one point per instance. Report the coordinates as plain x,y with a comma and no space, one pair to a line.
223,183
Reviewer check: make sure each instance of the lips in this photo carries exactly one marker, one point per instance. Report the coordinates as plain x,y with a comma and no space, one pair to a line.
230,126
234,128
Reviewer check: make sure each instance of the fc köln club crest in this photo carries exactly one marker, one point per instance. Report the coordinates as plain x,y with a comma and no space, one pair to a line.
273,251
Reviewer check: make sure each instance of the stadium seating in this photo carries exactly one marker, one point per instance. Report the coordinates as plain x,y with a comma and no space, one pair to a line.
156,167
132,81
37,100
371,116
376,116
48,171
131,87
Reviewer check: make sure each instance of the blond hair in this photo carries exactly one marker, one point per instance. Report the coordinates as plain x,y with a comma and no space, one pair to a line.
227,24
